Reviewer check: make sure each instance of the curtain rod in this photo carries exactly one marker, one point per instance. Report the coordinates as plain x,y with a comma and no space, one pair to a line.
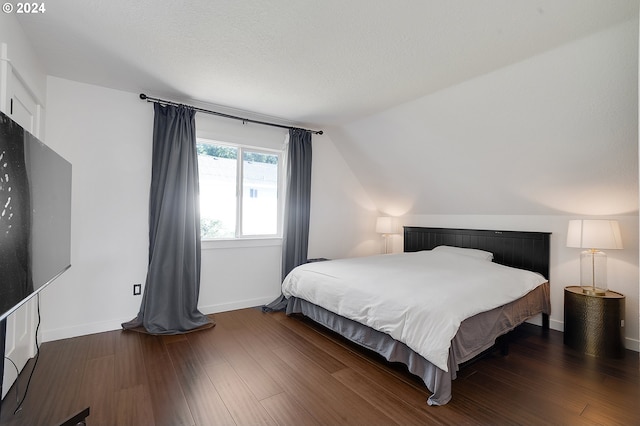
244,120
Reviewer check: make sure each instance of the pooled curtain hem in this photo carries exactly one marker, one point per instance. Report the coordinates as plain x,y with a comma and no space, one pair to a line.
138,326
279,304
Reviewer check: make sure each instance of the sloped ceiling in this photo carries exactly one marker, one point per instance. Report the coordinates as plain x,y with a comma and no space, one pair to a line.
556,133
305,61
452,107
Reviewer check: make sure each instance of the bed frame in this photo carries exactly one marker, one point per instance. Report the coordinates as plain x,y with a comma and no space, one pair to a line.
518,249
525,250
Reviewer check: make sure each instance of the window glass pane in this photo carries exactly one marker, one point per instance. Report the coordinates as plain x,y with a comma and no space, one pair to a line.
259,193
217,166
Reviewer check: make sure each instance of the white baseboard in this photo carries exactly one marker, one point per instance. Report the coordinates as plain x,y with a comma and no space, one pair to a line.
556,325
633,344
116,324
82,330
241,304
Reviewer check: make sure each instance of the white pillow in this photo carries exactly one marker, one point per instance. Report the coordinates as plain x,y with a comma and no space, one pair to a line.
479,254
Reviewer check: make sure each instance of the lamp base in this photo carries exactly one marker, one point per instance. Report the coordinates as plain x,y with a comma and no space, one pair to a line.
594,291
593,272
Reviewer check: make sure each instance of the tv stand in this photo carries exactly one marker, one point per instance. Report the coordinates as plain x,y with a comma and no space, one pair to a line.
79,419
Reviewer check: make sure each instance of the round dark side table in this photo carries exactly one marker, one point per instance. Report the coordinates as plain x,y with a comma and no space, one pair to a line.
594,325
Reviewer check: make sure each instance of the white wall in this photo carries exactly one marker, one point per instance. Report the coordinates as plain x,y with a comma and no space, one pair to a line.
342,214
106,134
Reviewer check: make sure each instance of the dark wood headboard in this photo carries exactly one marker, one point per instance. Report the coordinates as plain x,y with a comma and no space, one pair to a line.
524,250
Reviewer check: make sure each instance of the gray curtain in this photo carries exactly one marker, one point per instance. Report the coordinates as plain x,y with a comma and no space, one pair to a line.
295,241
170,300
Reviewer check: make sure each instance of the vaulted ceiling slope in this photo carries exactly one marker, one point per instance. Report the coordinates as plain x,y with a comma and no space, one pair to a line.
556,133
304,61
439,107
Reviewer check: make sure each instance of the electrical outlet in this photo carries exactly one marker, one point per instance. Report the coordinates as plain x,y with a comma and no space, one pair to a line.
137,289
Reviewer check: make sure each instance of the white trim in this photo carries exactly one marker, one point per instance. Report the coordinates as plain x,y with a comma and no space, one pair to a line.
5,65
4,58
632,344
240,243
240,304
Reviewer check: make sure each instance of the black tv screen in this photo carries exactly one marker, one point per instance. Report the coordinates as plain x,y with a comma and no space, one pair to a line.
35,215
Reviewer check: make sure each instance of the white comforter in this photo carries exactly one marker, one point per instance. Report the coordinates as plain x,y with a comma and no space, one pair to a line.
418,298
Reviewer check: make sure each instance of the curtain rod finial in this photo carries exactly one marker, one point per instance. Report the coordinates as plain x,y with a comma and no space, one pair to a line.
320,132
143,96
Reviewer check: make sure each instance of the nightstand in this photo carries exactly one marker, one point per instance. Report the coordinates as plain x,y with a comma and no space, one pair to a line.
594,325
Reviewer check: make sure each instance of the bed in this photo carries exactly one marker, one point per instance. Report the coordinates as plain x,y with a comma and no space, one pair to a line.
433,331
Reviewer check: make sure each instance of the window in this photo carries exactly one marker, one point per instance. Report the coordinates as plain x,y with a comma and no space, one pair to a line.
239,191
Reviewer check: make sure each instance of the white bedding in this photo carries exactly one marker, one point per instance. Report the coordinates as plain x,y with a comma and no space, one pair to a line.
417,298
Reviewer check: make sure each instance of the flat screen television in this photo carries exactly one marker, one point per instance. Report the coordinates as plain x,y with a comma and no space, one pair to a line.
35,215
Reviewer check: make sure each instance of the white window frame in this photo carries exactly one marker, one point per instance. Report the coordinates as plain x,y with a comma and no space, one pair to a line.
239,236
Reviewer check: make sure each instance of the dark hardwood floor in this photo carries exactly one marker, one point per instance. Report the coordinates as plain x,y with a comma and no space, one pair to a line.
256,368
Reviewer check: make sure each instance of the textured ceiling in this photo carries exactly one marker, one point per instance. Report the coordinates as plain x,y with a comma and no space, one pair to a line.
303,61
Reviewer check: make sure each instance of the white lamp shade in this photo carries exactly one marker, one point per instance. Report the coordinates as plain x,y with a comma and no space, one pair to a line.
385,225
594,234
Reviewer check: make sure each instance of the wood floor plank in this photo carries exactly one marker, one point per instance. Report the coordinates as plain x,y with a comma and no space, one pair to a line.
130,370
348,407
396,408
603,413
99,389
304,340
550,378
257,380
243,406
169,404
207,408
533,385
134,407
205,346
258,322
287,411
629,391
522,401
295,384
101,344
364,362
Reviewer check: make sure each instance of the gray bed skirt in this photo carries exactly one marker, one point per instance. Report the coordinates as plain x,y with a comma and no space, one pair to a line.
476,334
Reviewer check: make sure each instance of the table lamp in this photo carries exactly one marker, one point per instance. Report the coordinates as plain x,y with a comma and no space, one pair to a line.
385,226
594,235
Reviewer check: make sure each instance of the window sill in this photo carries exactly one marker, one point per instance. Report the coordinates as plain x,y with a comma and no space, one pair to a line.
241,243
